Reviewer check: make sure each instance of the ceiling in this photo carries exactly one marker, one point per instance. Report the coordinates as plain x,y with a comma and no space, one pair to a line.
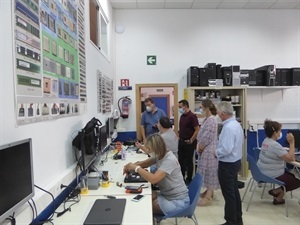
205,4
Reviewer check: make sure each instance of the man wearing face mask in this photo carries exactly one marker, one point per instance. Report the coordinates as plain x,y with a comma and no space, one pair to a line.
272,160
150,118
188,130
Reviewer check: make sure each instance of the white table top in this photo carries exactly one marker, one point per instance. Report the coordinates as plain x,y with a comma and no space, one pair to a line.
133,215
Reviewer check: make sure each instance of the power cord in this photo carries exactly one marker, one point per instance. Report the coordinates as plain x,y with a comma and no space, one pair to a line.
74,198
33,212
12,219
53,200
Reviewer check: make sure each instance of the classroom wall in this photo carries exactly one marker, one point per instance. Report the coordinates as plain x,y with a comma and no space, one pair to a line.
53,156
181,38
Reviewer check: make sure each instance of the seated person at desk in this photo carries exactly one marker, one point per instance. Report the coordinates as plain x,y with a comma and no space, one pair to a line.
272,160
167,133
173,193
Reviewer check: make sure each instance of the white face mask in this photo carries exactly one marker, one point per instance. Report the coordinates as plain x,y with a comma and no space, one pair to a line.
148,108
280,136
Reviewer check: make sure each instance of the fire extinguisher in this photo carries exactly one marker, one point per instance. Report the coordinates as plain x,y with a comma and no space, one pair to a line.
124,108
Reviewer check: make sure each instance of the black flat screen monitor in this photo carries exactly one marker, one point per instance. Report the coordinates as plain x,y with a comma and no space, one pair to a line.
110,126
16,176
103,138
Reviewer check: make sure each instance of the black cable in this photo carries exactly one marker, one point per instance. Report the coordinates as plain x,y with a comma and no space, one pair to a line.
50,218
12,219
34,205
33,213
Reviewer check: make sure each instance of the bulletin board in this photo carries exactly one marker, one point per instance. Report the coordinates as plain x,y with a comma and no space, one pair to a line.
49,34
105,91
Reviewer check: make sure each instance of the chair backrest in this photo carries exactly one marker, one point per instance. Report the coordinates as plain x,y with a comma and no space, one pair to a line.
257,175
194,192
256,152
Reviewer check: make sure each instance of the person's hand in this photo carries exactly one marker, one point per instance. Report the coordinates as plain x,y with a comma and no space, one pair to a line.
138,144
290,138
128,167
189,142
200,150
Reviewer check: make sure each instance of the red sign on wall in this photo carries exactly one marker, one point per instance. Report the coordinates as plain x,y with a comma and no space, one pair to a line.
124,82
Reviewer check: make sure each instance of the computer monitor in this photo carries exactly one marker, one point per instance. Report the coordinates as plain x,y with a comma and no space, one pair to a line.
110,127
16,176
103,138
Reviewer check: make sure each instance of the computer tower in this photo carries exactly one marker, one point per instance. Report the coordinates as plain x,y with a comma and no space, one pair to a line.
236,73
204,76
219,71
244,77
266,75
286,77
295,76
193,78
252,77
278,77
227,76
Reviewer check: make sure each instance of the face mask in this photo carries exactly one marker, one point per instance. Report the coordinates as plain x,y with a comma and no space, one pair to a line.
181,110
148,108
280,136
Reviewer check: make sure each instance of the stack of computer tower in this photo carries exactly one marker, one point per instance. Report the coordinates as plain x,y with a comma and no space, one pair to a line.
193,78
266,75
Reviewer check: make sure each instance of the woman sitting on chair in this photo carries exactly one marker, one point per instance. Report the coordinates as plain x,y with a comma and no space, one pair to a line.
272,160
173,195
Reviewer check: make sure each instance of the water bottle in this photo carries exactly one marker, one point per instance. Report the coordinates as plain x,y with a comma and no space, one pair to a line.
123,153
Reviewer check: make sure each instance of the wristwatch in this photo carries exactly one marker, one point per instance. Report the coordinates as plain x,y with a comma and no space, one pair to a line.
136,169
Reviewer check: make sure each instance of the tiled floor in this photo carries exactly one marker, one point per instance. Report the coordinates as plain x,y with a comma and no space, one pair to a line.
261,211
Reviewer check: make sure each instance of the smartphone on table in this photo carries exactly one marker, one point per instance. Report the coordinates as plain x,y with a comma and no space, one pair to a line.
138,198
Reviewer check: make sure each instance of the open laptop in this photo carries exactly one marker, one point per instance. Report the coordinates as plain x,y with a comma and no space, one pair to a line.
106,212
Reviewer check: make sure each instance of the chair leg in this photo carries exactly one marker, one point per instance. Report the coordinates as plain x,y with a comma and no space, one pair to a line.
247,189
176,220
194,218
251,197
251,185
263,191
286,202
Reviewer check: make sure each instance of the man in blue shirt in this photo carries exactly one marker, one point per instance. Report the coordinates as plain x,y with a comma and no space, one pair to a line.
229,153
150,118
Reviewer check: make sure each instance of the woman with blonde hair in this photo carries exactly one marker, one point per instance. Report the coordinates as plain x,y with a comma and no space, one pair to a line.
173,194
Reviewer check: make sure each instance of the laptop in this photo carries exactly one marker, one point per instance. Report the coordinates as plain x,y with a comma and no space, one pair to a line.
106,212
133,177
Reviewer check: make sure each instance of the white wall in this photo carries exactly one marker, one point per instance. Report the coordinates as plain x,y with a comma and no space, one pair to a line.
181,38
52,150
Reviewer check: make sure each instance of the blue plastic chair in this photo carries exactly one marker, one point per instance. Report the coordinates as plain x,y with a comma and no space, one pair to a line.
256,152
259,177
194,192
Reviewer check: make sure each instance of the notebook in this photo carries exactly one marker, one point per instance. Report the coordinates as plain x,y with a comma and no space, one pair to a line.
106,212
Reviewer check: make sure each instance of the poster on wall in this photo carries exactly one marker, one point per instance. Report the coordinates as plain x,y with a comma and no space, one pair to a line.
105,93
47,79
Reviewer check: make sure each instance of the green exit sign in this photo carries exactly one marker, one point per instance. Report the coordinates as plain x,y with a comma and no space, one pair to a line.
151,59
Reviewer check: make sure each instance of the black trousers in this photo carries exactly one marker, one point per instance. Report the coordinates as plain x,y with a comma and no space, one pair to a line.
228,173
185,158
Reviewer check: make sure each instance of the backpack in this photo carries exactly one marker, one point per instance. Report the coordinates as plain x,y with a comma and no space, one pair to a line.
89,135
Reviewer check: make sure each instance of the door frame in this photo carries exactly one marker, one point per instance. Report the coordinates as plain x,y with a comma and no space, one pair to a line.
138,88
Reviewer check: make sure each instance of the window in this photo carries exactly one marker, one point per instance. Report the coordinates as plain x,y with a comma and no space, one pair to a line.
98,27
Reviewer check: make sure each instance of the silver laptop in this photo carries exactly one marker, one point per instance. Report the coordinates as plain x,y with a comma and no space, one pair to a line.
106,212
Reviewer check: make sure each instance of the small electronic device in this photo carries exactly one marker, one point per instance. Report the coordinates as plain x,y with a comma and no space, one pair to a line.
138,198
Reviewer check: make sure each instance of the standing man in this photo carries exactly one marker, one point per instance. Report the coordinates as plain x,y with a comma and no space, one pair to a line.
188,130
229,153
150,118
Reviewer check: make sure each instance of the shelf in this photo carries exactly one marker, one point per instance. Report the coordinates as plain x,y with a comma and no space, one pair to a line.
271,87
236,105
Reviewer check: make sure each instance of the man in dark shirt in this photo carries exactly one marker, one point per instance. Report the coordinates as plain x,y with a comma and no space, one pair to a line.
188,130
